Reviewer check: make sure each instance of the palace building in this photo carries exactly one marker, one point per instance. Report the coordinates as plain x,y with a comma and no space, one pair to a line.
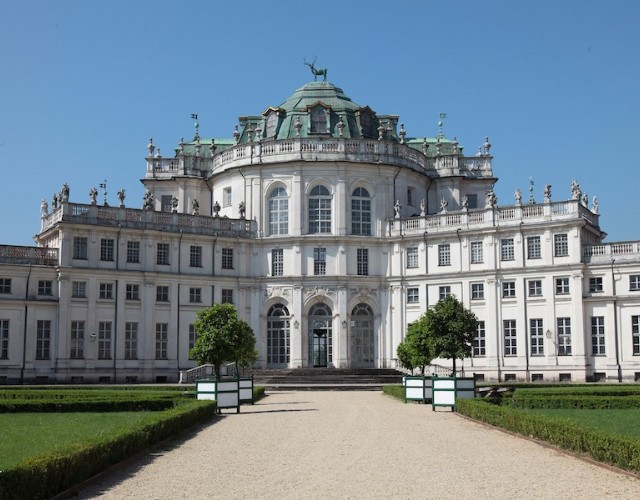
330,229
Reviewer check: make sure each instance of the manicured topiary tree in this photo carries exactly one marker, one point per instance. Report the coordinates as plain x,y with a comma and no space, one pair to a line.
223,336
452,328
416,351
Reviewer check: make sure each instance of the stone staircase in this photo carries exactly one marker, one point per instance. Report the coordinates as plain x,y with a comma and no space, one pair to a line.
325,379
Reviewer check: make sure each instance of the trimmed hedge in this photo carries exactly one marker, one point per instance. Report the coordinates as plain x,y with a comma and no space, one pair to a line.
554,402
621,451
48,475
95,406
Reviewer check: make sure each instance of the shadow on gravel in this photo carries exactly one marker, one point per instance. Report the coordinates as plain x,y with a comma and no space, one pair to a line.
277,411
129,467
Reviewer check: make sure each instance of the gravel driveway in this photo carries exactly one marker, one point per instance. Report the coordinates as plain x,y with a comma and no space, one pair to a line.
355,445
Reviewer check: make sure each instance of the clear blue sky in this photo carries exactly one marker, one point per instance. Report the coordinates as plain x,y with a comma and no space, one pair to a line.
84,84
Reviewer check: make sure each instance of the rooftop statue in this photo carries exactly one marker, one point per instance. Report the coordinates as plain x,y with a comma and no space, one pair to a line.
317,72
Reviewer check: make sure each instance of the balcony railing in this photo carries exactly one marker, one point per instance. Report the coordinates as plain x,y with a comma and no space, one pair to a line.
149,219
312,148
611,252
36,256
498,216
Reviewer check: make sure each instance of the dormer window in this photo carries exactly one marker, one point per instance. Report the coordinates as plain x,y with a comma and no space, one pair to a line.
271,125
367,124
318,120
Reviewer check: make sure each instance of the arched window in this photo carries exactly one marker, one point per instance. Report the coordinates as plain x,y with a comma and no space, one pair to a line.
318,120
278,334
361,212
278,212
319,210
320,335
362,337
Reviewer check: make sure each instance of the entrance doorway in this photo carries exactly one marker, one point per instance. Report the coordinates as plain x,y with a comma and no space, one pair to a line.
362,338
320,336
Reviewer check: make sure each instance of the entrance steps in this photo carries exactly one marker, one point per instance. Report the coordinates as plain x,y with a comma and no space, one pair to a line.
325,379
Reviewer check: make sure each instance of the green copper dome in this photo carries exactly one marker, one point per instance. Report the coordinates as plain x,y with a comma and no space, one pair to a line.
318,109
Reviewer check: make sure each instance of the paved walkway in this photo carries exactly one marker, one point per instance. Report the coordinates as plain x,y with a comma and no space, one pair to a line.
356,445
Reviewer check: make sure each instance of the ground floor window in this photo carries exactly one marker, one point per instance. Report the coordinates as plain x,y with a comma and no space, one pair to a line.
479,341
278,336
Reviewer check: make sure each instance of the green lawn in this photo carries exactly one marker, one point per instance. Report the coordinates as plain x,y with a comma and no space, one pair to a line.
626,422
29,434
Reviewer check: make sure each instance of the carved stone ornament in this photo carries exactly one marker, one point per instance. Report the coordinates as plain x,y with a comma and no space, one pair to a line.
276,291
327,292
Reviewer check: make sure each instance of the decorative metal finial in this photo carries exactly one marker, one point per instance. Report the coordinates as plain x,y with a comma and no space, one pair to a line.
103,186
441,125
196,125
532,200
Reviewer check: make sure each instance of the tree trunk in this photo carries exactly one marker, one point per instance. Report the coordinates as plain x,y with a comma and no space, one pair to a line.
454,367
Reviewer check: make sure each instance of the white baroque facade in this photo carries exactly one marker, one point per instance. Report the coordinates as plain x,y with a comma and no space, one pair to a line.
331,230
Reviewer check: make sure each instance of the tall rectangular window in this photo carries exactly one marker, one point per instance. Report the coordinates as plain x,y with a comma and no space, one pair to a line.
131,340
564,336
43,339
510,340
476,252
635,334
535,288
479,341
412,257
80,247
162,340
562,285
106,249
534,250
195,256
192,338
560,245
4,339
77,340
104,340
133,252
277,262
195,295
597,336
5,285
227,296
45,287
413,295
508,289
162,293
507,250
132,291
105,291
444,292
227,258
319,261
363,261
536,331
477,291
79,289
226,197
444,254
162,254
595,284
166,204
634,282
